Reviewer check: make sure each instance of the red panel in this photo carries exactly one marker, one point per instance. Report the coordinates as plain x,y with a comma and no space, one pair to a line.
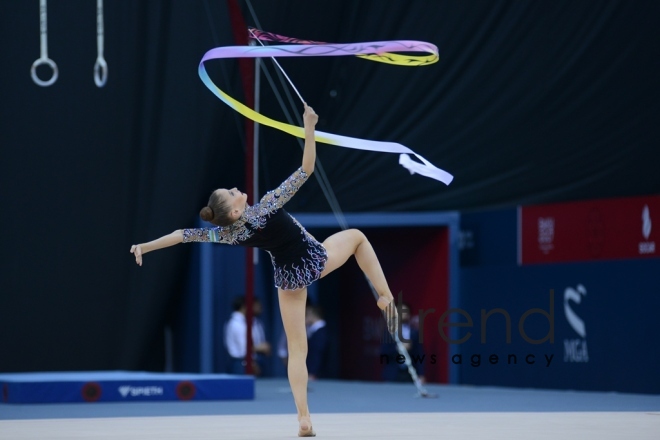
246,67
588,231
416,263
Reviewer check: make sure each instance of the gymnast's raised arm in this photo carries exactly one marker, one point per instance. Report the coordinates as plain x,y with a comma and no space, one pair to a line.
309,154
275,199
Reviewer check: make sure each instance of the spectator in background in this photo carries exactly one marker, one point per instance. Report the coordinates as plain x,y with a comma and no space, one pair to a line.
317,342
394,371
236,338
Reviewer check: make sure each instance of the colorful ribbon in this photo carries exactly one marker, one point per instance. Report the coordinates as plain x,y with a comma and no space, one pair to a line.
380,51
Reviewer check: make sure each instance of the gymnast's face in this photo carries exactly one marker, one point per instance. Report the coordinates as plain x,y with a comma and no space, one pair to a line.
236,200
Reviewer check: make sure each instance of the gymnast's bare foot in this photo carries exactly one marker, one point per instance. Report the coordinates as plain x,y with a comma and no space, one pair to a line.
388,306
305,429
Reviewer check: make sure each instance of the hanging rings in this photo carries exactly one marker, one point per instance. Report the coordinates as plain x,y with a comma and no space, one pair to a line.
43,59
100,67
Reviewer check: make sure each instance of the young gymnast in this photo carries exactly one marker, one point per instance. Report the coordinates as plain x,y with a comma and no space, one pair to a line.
297,257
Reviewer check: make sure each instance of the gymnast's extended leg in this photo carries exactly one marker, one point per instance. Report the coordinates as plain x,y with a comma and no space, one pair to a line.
292,308
342,245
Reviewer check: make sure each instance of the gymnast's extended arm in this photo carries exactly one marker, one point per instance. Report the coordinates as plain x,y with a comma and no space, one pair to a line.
138,250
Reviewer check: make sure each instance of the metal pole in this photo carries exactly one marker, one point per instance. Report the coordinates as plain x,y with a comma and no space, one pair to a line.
255,157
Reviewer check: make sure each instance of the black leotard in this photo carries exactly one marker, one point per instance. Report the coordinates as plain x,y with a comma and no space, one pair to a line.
298,258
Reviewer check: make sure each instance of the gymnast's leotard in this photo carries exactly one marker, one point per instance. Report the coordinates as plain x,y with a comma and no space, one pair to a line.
298,258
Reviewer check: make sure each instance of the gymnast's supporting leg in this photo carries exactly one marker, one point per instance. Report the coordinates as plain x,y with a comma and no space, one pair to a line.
292,308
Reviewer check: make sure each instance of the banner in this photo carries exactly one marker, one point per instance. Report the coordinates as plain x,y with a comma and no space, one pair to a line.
594,230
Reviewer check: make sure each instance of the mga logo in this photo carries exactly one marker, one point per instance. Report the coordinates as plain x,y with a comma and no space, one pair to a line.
646,247
575,350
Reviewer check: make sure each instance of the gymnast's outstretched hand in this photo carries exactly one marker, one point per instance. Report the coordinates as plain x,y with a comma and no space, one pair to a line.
136,250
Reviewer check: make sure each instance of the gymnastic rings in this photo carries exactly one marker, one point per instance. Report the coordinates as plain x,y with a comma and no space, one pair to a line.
100,67
43,59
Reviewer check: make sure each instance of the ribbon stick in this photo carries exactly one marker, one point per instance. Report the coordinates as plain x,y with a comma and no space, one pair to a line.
382,51
251,30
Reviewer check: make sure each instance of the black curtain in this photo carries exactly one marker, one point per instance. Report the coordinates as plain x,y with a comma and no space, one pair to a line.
531,101
88,171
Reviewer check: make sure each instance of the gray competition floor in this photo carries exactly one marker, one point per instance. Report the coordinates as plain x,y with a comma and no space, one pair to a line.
356,410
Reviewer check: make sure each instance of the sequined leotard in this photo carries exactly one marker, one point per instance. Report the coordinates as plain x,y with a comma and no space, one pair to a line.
297,257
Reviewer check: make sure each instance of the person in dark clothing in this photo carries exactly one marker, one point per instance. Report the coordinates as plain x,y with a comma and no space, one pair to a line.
317,342
394,371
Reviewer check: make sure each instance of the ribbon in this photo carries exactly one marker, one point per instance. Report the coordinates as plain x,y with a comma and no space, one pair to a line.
380,51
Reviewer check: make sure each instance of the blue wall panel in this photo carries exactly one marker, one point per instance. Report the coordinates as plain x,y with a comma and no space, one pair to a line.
605,318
